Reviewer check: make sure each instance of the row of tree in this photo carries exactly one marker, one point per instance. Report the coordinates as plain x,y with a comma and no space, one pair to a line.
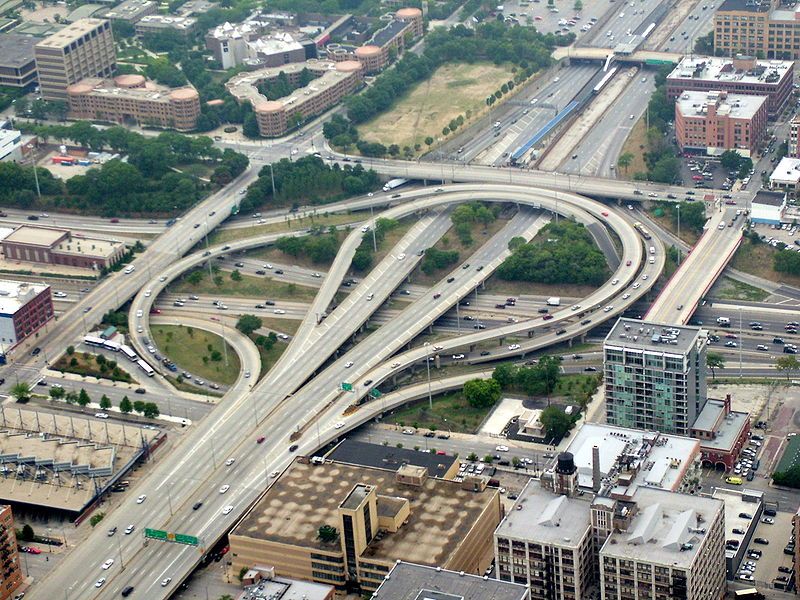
563,252
362,259
321,248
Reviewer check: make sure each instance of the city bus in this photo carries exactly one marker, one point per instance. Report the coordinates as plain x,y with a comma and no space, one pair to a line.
128,351
146,368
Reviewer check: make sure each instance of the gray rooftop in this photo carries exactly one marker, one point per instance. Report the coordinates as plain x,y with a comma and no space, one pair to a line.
407,581
386,457
652,337
383,36
736,503
770,198
727,432
16,50
760,6
547,518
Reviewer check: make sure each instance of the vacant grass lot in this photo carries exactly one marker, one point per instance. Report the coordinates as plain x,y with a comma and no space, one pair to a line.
730,289
249,287
449,411
193,349
271,356
228,235
636,144
757,259
452,90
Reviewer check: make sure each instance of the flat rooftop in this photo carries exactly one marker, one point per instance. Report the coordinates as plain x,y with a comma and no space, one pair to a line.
663,528
646,458
16,50
754,6
33,235
92,247
280,588
787,172
769,198
728,429
14,294
168,21
385,35
548,518
709,68
70,33
652,337
275,43
152,91
736,503
736,106
408,581
129,9
387,457
306,495
38,29
55,460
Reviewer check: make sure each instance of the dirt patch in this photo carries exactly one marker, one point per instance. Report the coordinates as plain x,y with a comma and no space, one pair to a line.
636,145
452,90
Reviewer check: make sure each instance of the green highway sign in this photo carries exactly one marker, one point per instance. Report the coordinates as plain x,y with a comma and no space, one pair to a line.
657,62
347,387
156,534
375,393
189,540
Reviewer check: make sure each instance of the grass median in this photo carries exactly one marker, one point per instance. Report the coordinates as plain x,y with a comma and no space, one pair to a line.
197,351
248,286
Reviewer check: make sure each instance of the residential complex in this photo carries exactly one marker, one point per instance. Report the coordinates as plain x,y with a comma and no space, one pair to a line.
152,24
131,99
758,28
713,122
275,117
741,75
83,49
10,570
250,43
17,63
407,581
655,376
380,516
49,245
24,308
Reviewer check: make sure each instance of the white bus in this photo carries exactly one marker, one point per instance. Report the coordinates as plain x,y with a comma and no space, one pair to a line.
145,367
91,340
128,351
109,345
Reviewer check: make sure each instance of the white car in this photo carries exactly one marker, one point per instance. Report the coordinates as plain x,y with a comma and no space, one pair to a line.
365,229
370,296
576,307
614,281
148,293
274,474
139,313
644,277
625,296
348,364
165,581
267,266
129,529
107,565
100,582
227,510
59,294
501,448
608,308
316,275
100,415
229,462
162,279
408,431
339,425
283,336
224,488
141,499
401,256
458,356
636,285
513,347
279,311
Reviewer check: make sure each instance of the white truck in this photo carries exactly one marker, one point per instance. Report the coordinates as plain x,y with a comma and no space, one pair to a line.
723,321
394,183
554,301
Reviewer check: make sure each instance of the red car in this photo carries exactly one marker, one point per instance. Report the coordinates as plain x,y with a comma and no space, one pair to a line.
547,317
115,220
260,440
604,213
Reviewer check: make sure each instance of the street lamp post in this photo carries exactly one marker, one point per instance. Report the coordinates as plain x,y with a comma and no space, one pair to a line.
428,369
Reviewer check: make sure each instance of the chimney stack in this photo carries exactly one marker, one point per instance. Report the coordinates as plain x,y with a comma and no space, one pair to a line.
727,404
595,469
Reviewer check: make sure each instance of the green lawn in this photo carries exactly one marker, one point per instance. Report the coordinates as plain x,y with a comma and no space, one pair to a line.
271,356
192,350
790,456
86,364
449,410
249,287
730,289
325,220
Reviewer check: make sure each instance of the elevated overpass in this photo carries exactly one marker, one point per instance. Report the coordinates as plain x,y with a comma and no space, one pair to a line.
679,299
648,57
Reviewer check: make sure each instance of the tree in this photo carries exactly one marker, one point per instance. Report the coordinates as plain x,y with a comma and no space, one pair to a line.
327,533
195,277
429,141
96,518
730,160
105,402
21,392
125,405
151,410
625,159
71,398
787,364
83,398
578,6
70,350
250,127
715,360
555,422
505,374
247,324
236,275
57,392
482,393
27,533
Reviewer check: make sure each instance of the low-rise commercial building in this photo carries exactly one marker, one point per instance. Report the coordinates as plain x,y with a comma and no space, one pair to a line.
153,24
260,583
786,176
363,454
24,309
407,581
17,62
130,11
132,99
49,245
768,207
10,145
713,122
741,75
380,516
275,117
10,570
722,433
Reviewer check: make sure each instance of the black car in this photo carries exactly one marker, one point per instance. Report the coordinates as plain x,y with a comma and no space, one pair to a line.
671,196
485,353
542,311
36,351
586,321
33,218
278,271
368,381
240,264
451,279
590,369
293,447
197,505
762,541
479,268
561,331
127,591
261,272
429,434
269,302
141,391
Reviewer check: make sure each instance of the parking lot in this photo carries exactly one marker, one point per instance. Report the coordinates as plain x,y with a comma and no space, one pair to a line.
777,534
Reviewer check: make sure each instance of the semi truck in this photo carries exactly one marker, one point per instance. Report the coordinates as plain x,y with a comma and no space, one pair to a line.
394,183
554,301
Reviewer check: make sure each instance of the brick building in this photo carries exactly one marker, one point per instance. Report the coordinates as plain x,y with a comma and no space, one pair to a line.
722,433
24,308
713,122
762,28
48,245
10,571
